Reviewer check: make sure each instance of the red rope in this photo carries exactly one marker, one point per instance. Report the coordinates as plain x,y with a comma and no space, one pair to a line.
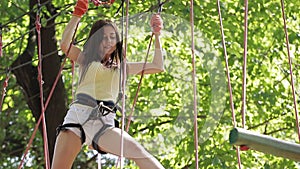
139,86
40,79
228,80
291,69
227,67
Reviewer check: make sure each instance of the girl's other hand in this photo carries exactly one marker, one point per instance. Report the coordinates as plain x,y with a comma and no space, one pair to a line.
156,23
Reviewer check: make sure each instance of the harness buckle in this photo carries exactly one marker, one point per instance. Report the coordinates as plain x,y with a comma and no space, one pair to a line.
99,111
105,110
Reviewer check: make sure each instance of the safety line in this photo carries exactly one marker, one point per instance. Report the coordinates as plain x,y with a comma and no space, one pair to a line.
290,69
228,79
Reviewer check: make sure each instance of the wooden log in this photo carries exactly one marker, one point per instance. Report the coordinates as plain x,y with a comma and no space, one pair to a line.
265,143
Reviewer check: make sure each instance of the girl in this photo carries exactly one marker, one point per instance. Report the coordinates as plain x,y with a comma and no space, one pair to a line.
90,119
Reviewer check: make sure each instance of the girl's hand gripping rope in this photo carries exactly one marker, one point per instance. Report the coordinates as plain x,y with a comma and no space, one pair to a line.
80,8
156,24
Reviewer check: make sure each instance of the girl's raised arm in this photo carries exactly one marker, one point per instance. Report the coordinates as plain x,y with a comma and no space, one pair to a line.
157,64
66,46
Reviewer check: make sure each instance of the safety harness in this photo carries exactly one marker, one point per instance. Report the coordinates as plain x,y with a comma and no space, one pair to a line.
100,109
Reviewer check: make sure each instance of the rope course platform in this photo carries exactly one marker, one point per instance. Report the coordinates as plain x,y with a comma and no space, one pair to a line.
264,143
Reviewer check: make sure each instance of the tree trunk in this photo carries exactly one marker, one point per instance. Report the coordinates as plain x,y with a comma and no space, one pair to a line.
26,75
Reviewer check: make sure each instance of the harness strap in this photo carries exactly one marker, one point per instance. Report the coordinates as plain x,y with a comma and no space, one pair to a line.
98,135
64,127
90,101
87,100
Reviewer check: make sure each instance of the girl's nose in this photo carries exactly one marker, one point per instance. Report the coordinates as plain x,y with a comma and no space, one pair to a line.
108,40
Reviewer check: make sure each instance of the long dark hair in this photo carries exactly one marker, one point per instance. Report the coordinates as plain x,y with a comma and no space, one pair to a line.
91,47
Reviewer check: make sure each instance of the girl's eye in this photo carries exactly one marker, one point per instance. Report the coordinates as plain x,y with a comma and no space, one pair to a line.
106,38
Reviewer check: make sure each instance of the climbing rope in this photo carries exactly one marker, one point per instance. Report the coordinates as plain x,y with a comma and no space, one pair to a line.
40,79
290,69
228,80
139,86
227,66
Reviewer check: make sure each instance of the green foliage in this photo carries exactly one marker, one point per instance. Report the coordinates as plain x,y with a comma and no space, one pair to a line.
163,115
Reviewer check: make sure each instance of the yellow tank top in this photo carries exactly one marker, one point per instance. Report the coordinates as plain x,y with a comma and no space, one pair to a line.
100,82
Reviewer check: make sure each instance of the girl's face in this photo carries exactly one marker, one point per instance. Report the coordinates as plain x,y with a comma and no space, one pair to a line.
108,44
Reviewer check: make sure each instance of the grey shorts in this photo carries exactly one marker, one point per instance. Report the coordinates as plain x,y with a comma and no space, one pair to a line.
79,114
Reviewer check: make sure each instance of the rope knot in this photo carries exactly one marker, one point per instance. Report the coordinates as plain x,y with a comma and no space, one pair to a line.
40,79
38,24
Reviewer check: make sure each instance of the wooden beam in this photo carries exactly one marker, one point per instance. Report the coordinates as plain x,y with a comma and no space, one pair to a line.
265,144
